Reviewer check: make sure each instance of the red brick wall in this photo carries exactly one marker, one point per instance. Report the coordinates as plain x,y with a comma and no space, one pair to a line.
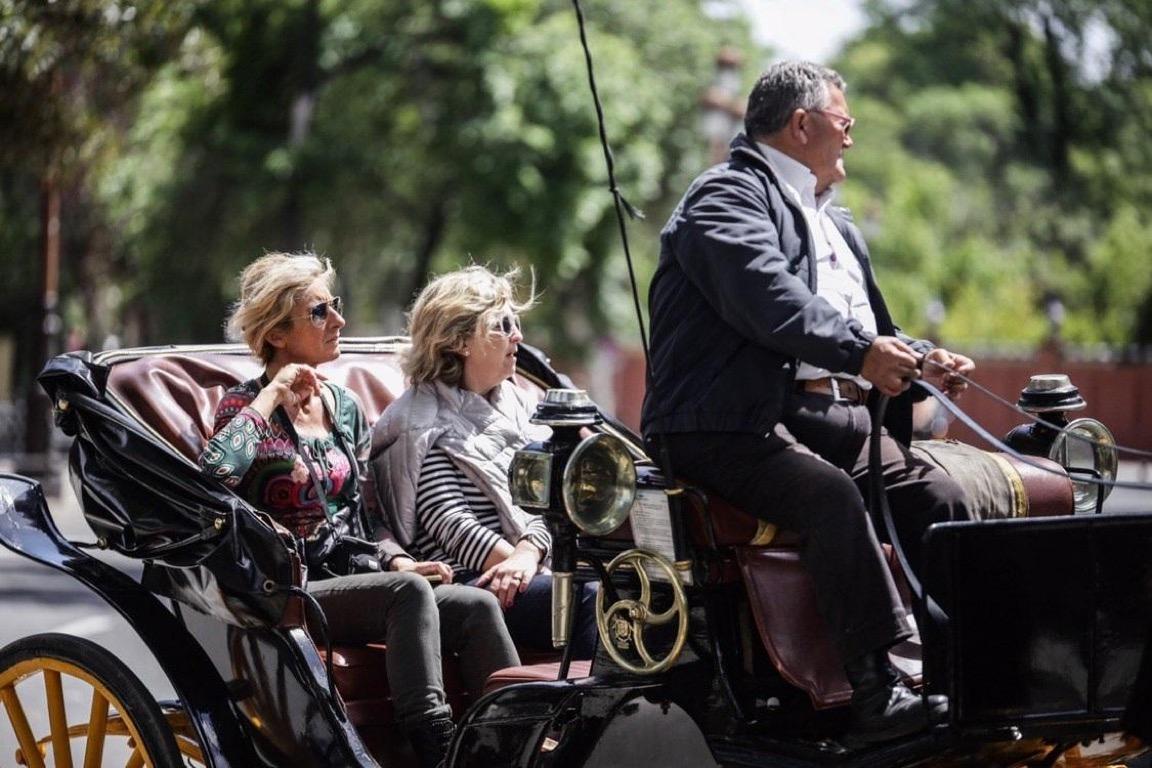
1120,395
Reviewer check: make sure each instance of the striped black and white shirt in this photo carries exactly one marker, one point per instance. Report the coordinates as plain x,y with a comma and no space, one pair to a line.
458,524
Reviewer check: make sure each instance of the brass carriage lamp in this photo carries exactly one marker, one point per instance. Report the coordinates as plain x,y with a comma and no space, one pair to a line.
1085,447
577,481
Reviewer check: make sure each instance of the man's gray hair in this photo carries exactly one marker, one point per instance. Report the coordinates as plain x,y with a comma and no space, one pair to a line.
783,88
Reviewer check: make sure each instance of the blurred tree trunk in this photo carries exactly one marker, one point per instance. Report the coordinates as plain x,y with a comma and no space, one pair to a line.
431,234
1060,136
96,282
306,79
1025,87
44,342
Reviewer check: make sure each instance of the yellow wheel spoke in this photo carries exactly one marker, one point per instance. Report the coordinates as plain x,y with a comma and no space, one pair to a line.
97,727
190,749
58,719
132,735
20,725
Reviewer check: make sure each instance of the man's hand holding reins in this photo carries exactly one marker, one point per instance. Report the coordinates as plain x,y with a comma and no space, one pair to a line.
942,367
890,365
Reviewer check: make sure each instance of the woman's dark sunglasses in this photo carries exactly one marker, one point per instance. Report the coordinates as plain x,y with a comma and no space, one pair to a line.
319,313
506,325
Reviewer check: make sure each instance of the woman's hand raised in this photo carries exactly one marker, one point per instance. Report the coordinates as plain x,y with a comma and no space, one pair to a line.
292,385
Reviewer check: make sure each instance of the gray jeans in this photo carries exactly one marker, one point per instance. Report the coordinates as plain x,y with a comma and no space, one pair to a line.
417,622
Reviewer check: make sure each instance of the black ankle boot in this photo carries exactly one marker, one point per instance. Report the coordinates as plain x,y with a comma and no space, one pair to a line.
430,740
882,707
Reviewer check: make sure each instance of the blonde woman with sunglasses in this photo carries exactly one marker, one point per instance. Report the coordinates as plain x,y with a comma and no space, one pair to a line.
295,445
441,453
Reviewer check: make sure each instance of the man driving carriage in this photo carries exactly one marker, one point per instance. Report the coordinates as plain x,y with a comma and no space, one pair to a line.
768,335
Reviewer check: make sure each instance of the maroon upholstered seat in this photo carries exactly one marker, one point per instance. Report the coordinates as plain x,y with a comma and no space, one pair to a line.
536,673
177,393
783,601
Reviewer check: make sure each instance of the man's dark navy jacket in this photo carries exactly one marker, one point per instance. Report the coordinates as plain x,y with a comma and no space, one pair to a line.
734,305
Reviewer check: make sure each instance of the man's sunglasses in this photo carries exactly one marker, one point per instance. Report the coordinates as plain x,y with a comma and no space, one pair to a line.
319,313
506,325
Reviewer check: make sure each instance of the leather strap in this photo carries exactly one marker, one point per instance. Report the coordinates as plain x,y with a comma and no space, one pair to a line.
841,390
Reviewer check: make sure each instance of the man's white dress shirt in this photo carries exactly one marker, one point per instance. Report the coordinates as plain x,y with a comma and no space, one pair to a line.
839,276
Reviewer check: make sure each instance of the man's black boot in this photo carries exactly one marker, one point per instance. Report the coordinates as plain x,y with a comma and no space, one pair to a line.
430,739
882,707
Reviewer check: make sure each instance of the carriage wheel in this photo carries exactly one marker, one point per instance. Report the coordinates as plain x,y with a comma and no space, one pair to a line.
121,724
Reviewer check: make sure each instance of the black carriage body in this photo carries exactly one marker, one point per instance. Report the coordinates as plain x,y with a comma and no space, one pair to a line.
1047,621
1042,630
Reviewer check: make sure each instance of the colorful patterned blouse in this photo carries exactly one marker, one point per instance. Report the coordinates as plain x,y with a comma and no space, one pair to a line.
258,459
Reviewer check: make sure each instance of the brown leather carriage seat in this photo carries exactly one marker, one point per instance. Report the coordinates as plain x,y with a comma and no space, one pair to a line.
536,673
176,394
782,599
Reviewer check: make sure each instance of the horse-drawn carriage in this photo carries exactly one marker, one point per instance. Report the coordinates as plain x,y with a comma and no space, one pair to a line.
711,648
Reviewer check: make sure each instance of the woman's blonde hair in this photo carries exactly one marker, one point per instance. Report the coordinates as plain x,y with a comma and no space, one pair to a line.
448,312
269,288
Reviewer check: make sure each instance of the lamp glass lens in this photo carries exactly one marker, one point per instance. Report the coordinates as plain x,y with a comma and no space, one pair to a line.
1087,444
530,479
599,485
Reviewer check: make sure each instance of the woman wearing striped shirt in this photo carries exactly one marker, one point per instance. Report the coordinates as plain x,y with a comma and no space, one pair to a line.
441,453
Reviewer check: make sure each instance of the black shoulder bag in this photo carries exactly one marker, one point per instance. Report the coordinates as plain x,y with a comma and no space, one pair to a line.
333,548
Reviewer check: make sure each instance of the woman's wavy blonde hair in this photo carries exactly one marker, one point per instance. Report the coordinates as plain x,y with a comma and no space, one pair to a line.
449,311
269,288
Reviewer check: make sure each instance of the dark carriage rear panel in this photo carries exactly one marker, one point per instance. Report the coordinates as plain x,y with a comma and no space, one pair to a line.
1047,619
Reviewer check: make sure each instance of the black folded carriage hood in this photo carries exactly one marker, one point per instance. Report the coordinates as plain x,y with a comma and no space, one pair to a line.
202,544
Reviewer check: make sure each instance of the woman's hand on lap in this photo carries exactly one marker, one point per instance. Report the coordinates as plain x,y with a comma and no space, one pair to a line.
510,577
431,568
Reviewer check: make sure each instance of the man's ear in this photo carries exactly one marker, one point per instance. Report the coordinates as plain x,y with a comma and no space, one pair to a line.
797,126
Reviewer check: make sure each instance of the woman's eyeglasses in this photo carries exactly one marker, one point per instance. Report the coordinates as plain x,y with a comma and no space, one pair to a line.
505,325
319,313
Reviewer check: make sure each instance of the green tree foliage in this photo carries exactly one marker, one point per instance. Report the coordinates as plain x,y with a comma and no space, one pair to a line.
1002,158
1004,163
403,138
398,138
70,75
